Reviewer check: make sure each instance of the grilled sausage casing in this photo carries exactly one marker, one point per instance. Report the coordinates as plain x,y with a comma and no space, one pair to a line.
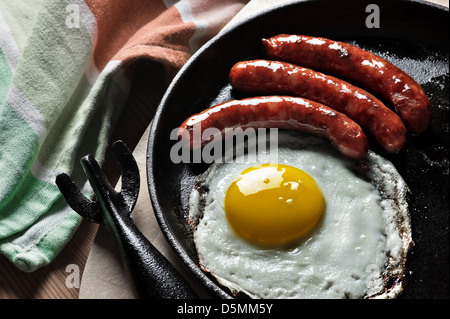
360,67
274,77
284,112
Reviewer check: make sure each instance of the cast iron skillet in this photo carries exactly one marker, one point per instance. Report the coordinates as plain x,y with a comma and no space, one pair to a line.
412,34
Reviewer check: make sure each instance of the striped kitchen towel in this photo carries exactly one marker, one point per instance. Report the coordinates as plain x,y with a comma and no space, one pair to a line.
65,75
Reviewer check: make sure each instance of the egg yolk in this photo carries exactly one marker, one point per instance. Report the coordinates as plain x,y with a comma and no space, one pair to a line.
273,204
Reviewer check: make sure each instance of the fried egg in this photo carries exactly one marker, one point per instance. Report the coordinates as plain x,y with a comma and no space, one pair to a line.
313,224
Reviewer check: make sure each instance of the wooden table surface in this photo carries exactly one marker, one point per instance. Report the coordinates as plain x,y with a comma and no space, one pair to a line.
49,282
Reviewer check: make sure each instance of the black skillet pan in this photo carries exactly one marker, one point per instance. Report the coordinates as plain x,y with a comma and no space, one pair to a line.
412,34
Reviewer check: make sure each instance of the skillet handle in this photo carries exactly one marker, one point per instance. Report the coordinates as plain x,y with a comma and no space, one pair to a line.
153,275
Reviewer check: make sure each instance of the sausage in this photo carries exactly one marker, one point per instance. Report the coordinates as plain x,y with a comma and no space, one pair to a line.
285,112
274,77
360,67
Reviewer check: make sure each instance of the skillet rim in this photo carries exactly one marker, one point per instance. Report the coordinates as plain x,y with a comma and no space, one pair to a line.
199,274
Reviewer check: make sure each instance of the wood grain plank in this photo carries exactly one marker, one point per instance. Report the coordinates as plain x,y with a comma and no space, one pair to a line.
150,81
48,282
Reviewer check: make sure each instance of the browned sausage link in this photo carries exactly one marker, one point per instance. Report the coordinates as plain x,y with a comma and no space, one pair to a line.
273,77
360,67
285,112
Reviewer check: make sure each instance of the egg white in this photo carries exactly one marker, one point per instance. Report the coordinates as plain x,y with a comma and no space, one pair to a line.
358,250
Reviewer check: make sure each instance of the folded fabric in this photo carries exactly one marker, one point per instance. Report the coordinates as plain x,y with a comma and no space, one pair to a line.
65,75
